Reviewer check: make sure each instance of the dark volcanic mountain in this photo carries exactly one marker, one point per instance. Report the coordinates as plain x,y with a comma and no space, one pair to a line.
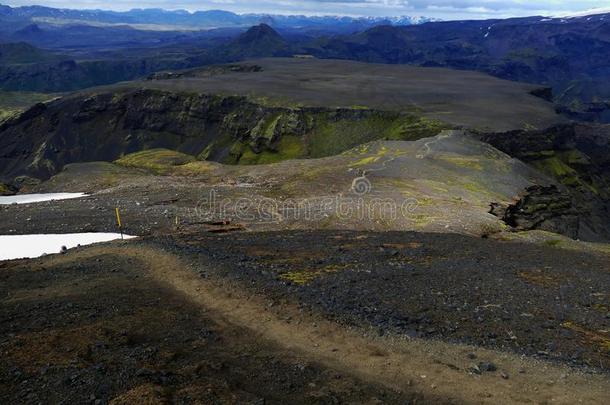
24,67
260,40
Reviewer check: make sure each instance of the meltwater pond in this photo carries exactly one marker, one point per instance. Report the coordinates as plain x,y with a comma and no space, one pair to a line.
33,198
30,246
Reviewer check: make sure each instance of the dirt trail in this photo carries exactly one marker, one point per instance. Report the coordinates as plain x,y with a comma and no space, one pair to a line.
435,369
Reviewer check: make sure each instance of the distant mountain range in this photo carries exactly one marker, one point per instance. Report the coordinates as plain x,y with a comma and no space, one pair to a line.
211,19
569,55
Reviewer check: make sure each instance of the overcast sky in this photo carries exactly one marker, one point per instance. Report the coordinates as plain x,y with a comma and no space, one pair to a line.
445,9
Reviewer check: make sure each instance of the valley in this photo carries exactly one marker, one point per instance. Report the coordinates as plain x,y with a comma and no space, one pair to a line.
387,211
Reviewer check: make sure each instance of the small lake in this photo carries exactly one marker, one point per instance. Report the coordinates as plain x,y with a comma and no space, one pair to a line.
31,246
34,198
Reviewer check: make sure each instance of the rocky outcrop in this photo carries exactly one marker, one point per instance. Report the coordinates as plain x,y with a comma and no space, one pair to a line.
577,157
588,112
205,72
545,208
545,93
5,189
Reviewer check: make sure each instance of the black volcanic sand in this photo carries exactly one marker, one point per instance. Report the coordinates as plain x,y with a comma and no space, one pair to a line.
98,329
104,323
536,300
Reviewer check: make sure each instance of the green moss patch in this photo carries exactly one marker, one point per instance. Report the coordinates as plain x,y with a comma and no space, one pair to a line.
304,277
195,168
334,137
413,127
15,102
157,160
288,147
574,157
467,162
557,168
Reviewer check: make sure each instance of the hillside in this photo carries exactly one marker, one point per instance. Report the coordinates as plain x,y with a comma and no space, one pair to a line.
23,53
27,68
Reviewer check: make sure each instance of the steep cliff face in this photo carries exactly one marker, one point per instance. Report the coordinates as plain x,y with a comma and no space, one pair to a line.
228,129
577,156
547,208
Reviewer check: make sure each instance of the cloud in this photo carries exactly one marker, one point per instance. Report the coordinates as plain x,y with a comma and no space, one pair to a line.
447,9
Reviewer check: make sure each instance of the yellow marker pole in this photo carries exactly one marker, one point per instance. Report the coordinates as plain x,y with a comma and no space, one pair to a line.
118,220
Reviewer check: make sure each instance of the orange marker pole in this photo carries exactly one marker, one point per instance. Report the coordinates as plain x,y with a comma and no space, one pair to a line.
118,220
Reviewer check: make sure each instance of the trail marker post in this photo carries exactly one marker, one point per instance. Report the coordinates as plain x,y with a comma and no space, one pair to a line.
118,220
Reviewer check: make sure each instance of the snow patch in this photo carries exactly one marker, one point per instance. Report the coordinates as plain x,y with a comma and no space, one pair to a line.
34,198
30,246
488,31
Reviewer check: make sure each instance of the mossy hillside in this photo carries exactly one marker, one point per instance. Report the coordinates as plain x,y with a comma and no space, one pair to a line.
157,160
332,137
168,162
570,167
411,127
468,162
256,134
267,128
224,149
315,133
557,166
14,102
7,113
196,168
288,147
373,154
574,157
566,166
